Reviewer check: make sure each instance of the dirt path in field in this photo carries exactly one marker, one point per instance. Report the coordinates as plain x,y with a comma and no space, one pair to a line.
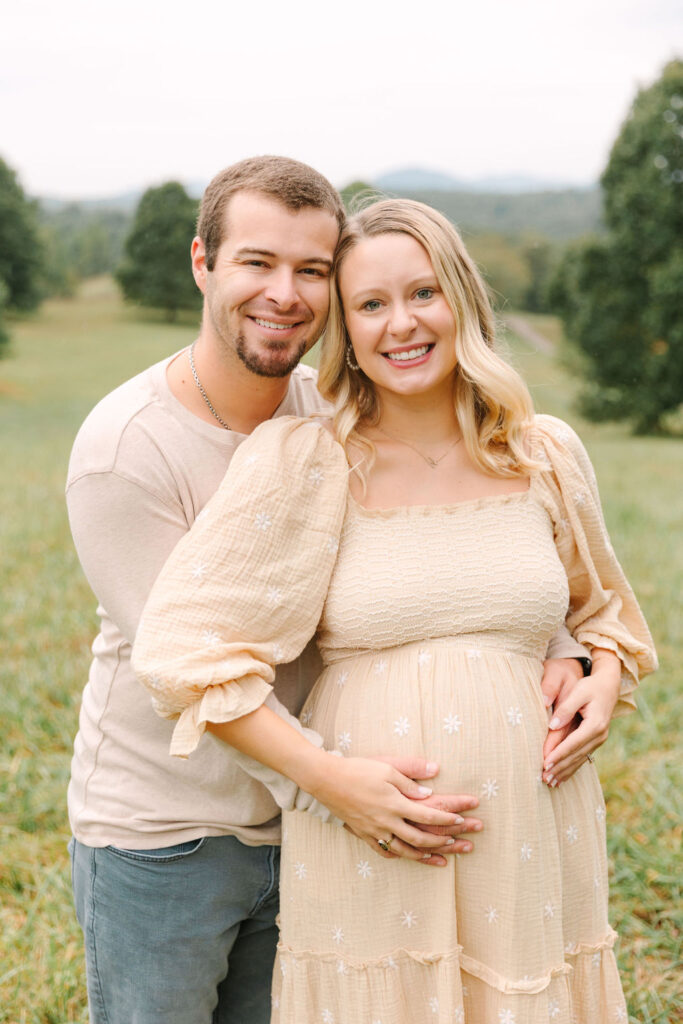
524,329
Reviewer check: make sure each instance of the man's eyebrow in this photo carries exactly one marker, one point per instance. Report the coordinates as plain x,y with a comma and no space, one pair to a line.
249,251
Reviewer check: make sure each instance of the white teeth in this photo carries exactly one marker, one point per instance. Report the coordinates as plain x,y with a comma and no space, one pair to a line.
271,323
413,353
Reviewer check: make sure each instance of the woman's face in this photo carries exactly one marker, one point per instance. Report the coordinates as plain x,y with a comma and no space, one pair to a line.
401,327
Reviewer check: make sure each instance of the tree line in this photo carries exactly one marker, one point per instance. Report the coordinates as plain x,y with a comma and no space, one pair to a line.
618,290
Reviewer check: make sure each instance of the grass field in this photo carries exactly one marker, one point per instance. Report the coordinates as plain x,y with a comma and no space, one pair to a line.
62,361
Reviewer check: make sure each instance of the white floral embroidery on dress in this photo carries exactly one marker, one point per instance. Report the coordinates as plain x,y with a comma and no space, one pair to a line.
401,726
250,460
549,911
263,521
451,724
489,789
276,1002
408,918
328,1017
316,476
380,666
390,963
561,434
433,1004
423,657
514,716
474,652
596,881
459,1015
492,915
210,638
525,852
580,499
572,834
332,545
338,935
600,813
553,1009
344,740
306,717
274,595
506,1017
596,959
198,570
620,1014
300,870
342,677
278,653
363,868
341,967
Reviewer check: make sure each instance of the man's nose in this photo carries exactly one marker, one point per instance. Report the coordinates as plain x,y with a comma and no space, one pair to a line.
282,288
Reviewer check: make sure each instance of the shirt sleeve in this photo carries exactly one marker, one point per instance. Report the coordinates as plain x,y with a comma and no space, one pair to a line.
563,645
603,610
244,590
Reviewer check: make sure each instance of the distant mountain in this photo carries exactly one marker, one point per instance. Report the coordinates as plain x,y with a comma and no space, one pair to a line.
421,179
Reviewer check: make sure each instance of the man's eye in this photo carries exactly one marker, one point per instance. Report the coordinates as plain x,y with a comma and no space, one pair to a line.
425,293
314,272
371,305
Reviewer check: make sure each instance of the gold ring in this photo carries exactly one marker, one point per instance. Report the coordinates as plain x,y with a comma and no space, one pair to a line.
385,844
589,758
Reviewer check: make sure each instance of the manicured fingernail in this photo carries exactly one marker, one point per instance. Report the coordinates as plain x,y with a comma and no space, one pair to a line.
432,767
547,767
554,723
449,841
547,700
458,819
466,849
550,780
424,790
426,856
554,783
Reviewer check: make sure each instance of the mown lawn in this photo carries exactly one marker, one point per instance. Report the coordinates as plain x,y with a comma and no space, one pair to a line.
61,362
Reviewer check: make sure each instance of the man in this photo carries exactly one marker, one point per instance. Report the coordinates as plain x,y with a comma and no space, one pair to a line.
175,862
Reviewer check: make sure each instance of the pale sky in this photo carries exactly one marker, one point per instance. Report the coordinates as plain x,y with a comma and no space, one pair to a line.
98,97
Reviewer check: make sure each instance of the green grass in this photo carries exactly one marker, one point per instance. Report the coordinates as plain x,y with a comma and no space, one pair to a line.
62,361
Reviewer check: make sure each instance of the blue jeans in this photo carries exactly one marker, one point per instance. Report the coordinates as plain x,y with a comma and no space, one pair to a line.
180,935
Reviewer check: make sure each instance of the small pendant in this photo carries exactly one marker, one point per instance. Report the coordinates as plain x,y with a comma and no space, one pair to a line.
432,462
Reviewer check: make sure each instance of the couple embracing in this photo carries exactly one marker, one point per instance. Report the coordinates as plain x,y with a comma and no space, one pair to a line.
441,549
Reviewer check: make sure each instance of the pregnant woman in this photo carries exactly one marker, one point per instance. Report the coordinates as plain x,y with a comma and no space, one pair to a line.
434,537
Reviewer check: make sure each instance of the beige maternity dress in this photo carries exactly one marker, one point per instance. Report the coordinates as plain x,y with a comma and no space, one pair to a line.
433,623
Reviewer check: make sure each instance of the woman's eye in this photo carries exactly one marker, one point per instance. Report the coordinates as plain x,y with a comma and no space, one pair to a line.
425,293
371,305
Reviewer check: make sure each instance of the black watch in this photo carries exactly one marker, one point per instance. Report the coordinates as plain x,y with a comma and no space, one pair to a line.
586,664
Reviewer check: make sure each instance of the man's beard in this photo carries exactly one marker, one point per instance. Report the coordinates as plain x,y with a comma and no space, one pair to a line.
260,363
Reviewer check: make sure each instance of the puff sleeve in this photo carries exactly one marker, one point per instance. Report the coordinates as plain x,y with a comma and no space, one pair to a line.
244,589
603,611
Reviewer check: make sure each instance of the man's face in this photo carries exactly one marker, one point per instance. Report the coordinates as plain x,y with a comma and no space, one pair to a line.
267,297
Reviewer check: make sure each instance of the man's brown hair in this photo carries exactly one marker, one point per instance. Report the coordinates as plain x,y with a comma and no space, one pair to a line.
290,182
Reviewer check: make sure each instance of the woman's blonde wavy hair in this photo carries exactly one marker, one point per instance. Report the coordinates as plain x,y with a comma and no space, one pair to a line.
492,404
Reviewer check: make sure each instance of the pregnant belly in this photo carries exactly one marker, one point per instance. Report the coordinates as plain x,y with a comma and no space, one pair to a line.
479,712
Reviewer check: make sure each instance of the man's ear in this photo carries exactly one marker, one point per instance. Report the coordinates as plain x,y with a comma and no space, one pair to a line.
199,270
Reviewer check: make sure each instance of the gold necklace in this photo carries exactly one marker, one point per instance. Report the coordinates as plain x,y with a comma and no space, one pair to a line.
432,463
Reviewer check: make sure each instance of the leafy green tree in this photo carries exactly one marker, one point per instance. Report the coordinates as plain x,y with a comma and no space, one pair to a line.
156,267
20,248
620,296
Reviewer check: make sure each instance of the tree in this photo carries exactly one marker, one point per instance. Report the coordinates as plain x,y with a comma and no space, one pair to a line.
156,267
619,296
21,250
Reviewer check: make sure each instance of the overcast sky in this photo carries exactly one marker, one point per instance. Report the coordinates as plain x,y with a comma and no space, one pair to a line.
100,97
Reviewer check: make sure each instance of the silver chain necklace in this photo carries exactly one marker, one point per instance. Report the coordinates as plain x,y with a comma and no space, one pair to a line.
201,388
432,463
